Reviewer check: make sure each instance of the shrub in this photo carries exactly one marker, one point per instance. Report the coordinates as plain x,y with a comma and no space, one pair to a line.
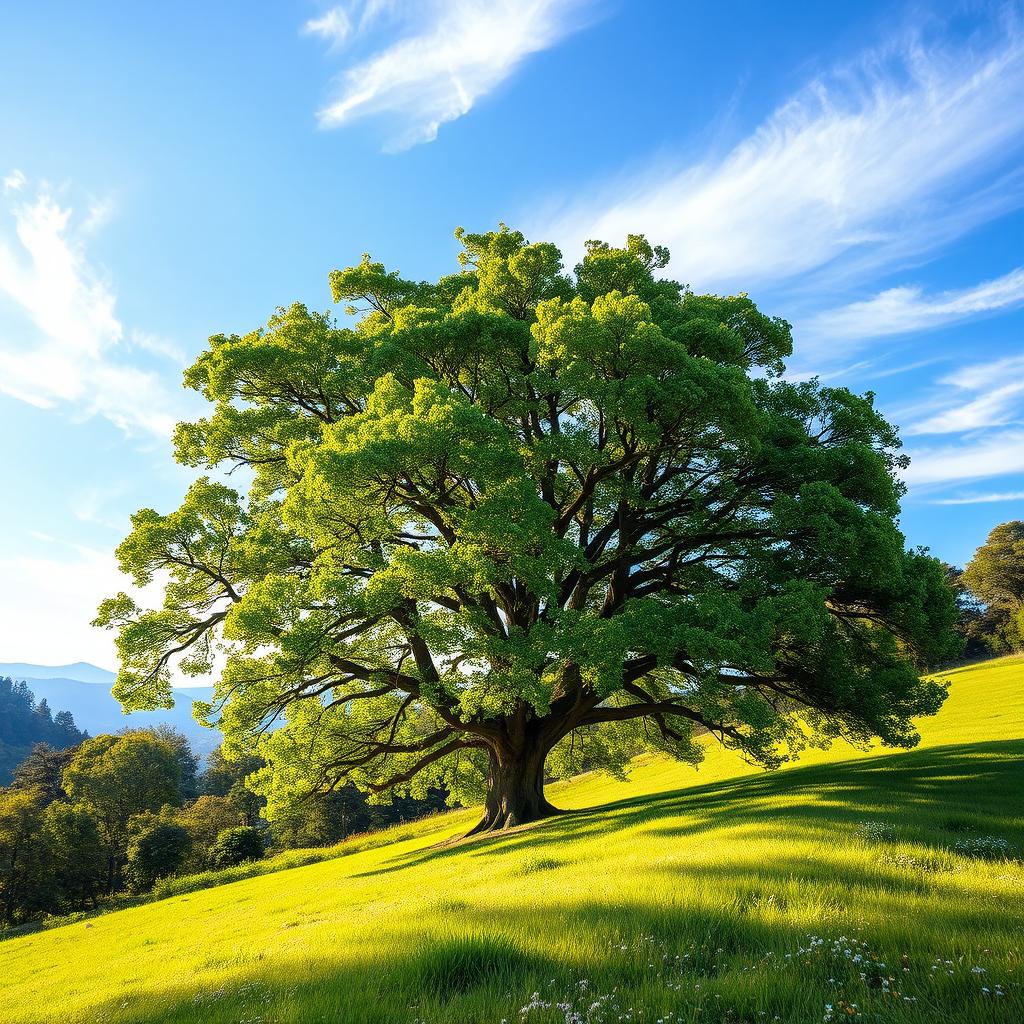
156,850
237,845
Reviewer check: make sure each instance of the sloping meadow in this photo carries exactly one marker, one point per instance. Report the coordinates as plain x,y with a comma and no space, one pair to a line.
869,886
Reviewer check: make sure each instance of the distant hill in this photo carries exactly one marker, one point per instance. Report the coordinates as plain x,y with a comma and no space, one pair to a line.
86,694
80,670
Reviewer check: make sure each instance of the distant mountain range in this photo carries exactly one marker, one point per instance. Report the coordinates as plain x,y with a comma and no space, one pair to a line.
81,671
84,690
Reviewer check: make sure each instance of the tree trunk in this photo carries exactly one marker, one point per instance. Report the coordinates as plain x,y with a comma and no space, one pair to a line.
515,789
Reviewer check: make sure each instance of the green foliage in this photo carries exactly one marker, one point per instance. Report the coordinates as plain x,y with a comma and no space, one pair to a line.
237,845
118,778
328,818
43,769
996,577
157,848
24,724
77,854
226,778
24,868
124,775
205,818
188,760
500,513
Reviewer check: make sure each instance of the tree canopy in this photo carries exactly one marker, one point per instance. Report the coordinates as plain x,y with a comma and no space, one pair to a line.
515,507
996,577
120,777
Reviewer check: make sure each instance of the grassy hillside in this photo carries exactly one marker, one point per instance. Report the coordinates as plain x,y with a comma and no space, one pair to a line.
730,895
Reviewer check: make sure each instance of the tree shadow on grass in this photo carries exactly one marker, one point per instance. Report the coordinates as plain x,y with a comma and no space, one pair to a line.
917,790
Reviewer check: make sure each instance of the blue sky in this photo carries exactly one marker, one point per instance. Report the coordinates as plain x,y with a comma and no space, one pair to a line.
167,173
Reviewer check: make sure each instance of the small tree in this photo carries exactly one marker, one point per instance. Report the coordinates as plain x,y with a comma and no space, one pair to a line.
158,847
205,819
187,758
43,770
119,777
76,848
25,865
226,778
236,846
996,577
514,505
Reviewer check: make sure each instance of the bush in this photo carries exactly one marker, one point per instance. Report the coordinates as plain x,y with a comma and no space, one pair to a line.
237,845
156,850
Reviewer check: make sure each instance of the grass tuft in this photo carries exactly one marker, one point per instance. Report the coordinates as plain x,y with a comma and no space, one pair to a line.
453,964
531,865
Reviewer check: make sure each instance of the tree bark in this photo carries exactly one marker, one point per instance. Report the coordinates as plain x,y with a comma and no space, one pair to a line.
515,788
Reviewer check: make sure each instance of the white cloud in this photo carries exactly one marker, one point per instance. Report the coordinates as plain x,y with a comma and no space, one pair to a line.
995,408
457,52
997,390
976,499
873,161
90,504
994,454
99,214
977,376
334,25
14,181
47,603
905,309
158,345
61,341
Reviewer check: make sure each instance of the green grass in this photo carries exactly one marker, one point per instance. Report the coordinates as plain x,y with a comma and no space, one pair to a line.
730,895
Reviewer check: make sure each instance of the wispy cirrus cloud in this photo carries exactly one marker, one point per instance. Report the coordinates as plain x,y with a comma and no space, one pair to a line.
334,25
876,161
449,55
14,181
61,341
993,454
974,415
986,498
909,308
980,395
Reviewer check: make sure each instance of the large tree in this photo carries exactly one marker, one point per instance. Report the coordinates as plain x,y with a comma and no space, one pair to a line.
517,505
